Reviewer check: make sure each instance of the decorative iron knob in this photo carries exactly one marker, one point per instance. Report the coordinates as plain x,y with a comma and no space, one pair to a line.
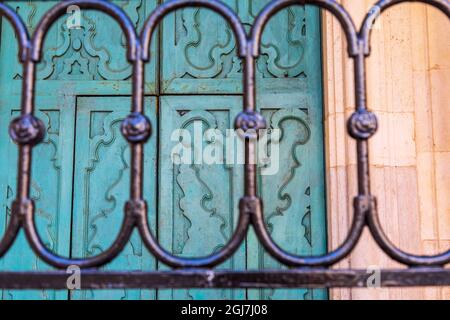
249,123
136,128
27,130
362,125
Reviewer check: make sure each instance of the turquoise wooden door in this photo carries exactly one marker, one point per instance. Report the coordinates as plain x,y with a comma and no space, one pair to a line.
81,171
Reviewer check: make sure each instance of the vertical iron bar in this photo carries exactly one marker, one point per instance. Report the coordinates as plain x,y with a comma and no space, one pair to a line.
137,150
362,145
25,151
250,184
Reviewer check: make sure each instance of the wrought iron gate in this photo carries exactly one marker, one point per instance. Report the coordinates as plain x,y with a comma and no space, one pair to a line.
304,271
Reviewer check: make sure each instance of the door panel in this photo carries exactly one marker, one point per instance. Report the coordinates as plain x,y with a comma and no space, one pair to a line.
81,171
199,57
199,49
76,62
90,60
198,207
294,206
101,187
51,188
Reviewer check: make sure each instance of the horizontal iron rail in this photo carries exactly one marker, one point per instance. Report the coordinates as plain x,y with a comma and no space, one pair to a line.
182,279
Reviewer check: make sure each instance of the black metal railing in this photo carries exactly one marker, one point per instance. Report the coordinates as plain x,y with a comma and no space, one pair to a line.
305,271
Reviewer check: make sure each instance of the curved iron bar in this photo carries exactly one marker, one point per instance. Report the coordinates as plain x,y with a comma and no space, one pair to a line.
373,221
10,234
258,213
171,6
24,45
57,261
335,8
138,205
19,29
34,132
309,261
179,262
397,254
27,131
379,7
100,5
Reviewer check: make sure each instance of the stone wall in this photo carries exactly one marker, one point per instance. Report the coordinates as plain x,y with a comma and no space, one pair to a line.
409,89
